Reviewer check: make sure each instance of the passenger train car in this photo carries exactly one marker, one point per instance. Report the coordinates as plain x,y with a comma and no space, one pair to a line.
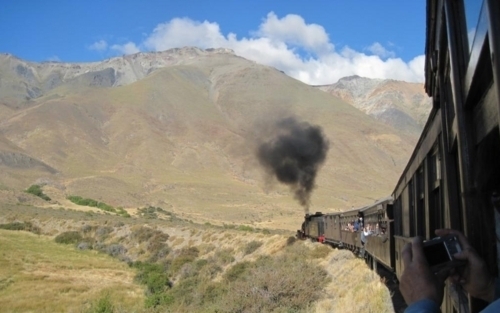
453,175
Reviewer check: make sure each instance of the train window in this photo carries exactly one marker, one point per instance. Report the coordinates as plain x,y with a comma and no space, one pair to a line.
472,11
434,170
411,207
398,226
435,212
457,217
420,202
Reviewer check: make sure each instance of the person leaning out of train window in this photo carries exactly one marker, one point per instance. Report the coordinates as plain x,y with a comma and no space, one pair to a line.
423,290
356,225
365,232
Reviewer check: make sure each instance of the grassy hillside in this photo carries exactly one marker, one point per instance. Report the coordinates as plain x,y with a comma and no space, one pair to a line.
39,275
173,266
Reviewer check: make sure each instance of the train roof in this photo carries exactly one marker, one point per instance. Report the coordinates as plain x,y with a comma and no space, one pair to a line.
388,200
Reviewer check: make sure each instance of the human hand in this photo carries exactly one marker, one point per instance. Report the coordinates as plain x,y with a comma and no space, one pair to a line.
417,281
474,277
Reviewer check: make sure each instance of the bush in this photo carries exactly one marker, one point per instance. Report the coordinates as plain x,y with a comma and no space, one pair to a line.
116,250
142,234
158,299
273,284
290,241
155,277
224,256
37,191
84,246
186,255
236,271
92,203
252,246
13,226
103,231
102,305
26,226
245,228
69,237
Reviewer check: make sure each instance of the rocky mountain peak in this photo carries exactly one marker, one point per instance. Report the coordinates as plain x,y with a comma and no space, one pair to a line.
24,80
402,105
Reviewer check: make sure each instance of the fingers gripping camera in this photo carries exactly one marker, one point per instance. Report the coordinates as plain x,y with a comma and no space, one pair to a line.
439,253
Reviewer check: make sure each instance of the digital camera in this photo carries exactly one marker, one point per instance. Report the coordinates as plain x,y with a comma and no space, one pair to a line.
439,253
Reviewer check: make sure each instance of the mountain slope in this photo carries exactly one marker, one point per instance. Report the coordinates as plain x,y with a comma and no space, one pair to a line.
404,106
184,136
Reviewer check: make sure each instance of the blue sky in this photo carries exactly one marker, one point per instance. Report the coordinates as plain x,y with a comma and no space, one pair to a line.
316,41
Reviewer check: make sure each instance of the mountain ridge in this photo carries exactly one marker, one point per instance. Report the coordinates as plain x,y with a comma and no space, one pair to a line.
405,106
185,137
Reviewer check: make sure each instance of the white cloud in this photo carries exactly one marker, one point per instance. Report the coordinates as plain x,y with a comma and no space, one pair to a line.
128,48
382,52
180,32
100,45
292,29
278,42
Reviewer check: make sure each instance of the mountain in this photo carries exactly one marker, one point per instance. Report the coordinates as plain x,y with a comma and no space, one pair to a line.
180,129
405,106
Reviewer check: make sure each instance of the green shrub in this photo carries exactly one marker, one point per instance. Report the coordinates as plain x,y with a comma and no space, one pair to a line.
158,299
26,226
155,277
102,305
92,203
224,256
13,226
245,228
252,246
236,271
37,191
69,237
186,255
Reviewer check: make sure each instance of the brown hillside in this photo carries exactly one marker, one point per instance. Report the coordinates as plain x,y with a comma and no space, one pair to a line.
402,105
184,137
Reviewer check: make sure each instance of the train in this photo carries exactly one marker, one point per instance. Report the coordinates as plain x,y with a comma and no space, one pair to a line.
452,179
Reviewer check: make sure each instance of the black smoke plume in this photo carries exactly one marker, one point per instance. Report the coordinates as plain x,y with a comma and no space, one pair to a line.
293,154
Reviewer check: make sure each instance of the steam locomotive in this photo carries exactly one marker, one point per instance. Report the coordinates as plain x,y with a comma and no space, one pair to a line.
453,176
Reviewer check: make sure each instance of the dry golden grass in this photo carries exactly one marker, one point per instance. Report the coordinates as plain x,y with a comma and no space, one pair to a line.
75,277
354,287
38,275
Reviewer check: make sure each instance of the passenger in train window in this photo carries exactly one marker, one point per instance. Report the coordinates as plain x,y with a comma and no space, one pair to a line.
365,233
356,225
348,227
423,291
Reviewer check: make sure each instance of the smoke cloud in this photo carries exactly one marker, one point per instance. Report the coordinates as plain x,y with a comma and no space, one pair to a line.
293,155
